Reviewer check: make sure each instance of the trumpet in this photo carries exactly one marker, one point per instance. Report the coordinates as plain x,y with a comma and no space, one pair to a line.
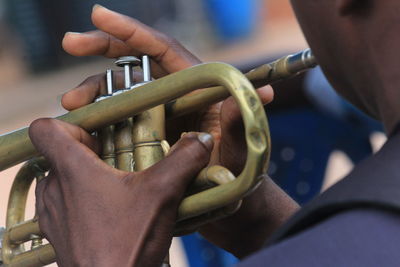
131,125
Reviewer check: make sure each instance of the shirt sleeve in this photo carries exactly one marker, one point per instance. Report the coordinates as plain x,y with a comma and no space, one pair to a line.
363,237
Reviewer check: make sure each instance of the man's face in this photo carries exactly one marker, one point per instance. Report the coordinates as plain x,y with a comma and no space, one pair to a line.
339,48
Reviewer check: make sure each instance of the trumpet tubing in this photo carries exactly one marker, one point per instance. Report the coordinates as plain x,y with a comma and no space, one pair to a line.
131,128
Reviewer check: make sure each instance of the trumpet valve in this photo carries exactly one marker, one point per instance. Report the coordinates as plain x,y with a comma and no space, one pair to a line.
128,62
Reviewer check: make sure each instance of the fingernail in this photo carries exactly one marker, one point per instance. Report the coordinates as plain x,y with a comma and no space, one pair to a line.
96,6
206,139
183,134
72,33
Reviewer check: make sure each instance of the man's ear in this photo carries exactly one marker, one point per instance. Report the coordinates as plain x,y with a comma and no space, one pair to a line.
347,7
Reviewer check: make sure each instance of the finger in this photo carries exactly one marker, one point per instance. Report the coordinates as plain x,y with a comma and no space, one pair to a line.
233,143
266,94
94,86
186,159
137,37
85,93
64,145
95,43
164,50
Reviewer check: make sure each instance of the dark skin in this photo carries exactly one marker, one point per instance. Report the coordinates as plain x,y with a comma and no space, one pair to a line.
131,227
357,56
356,45
355,42
68,221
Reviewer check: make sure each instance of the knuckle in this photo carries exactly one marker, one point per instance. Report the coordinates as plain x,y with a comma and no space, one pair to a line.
162,36
173,43
44,133
170,40
190,153
194,150
95,82
40,125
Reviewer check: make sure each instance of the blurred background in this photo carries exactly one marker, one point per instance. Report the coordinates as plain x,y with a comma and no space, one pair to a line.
316,135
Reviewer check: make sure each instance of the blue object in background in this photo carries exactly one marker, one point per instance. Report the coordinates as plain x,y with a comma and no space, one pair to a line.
200,253
233,19
303,140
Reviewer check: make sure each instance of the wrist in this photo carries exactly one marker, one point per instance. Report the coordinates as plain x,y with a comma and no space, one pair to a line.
261,214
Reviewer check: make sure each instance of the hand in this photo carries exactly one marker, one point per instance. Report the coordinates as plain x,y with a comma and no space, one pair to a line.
95,215
119,35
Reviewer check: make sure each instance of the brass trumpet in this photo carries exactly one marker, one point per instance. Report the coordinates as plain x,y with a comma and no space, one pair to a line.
127,117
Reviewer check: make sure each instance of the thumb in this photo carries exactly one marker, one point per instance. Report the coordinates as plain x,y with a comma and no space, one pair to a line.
184,161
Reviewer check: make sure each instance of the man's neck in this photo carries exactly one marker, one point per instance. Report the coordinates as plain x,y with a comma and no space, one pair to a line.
388,99
381,50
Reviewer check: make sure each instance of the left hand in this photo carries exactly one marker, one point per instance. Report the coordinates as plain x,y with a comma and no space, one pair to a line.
95,215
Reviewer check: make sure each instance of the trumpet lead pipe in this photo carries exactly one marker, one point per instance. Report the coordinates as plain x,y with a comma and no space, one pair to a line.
275,71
